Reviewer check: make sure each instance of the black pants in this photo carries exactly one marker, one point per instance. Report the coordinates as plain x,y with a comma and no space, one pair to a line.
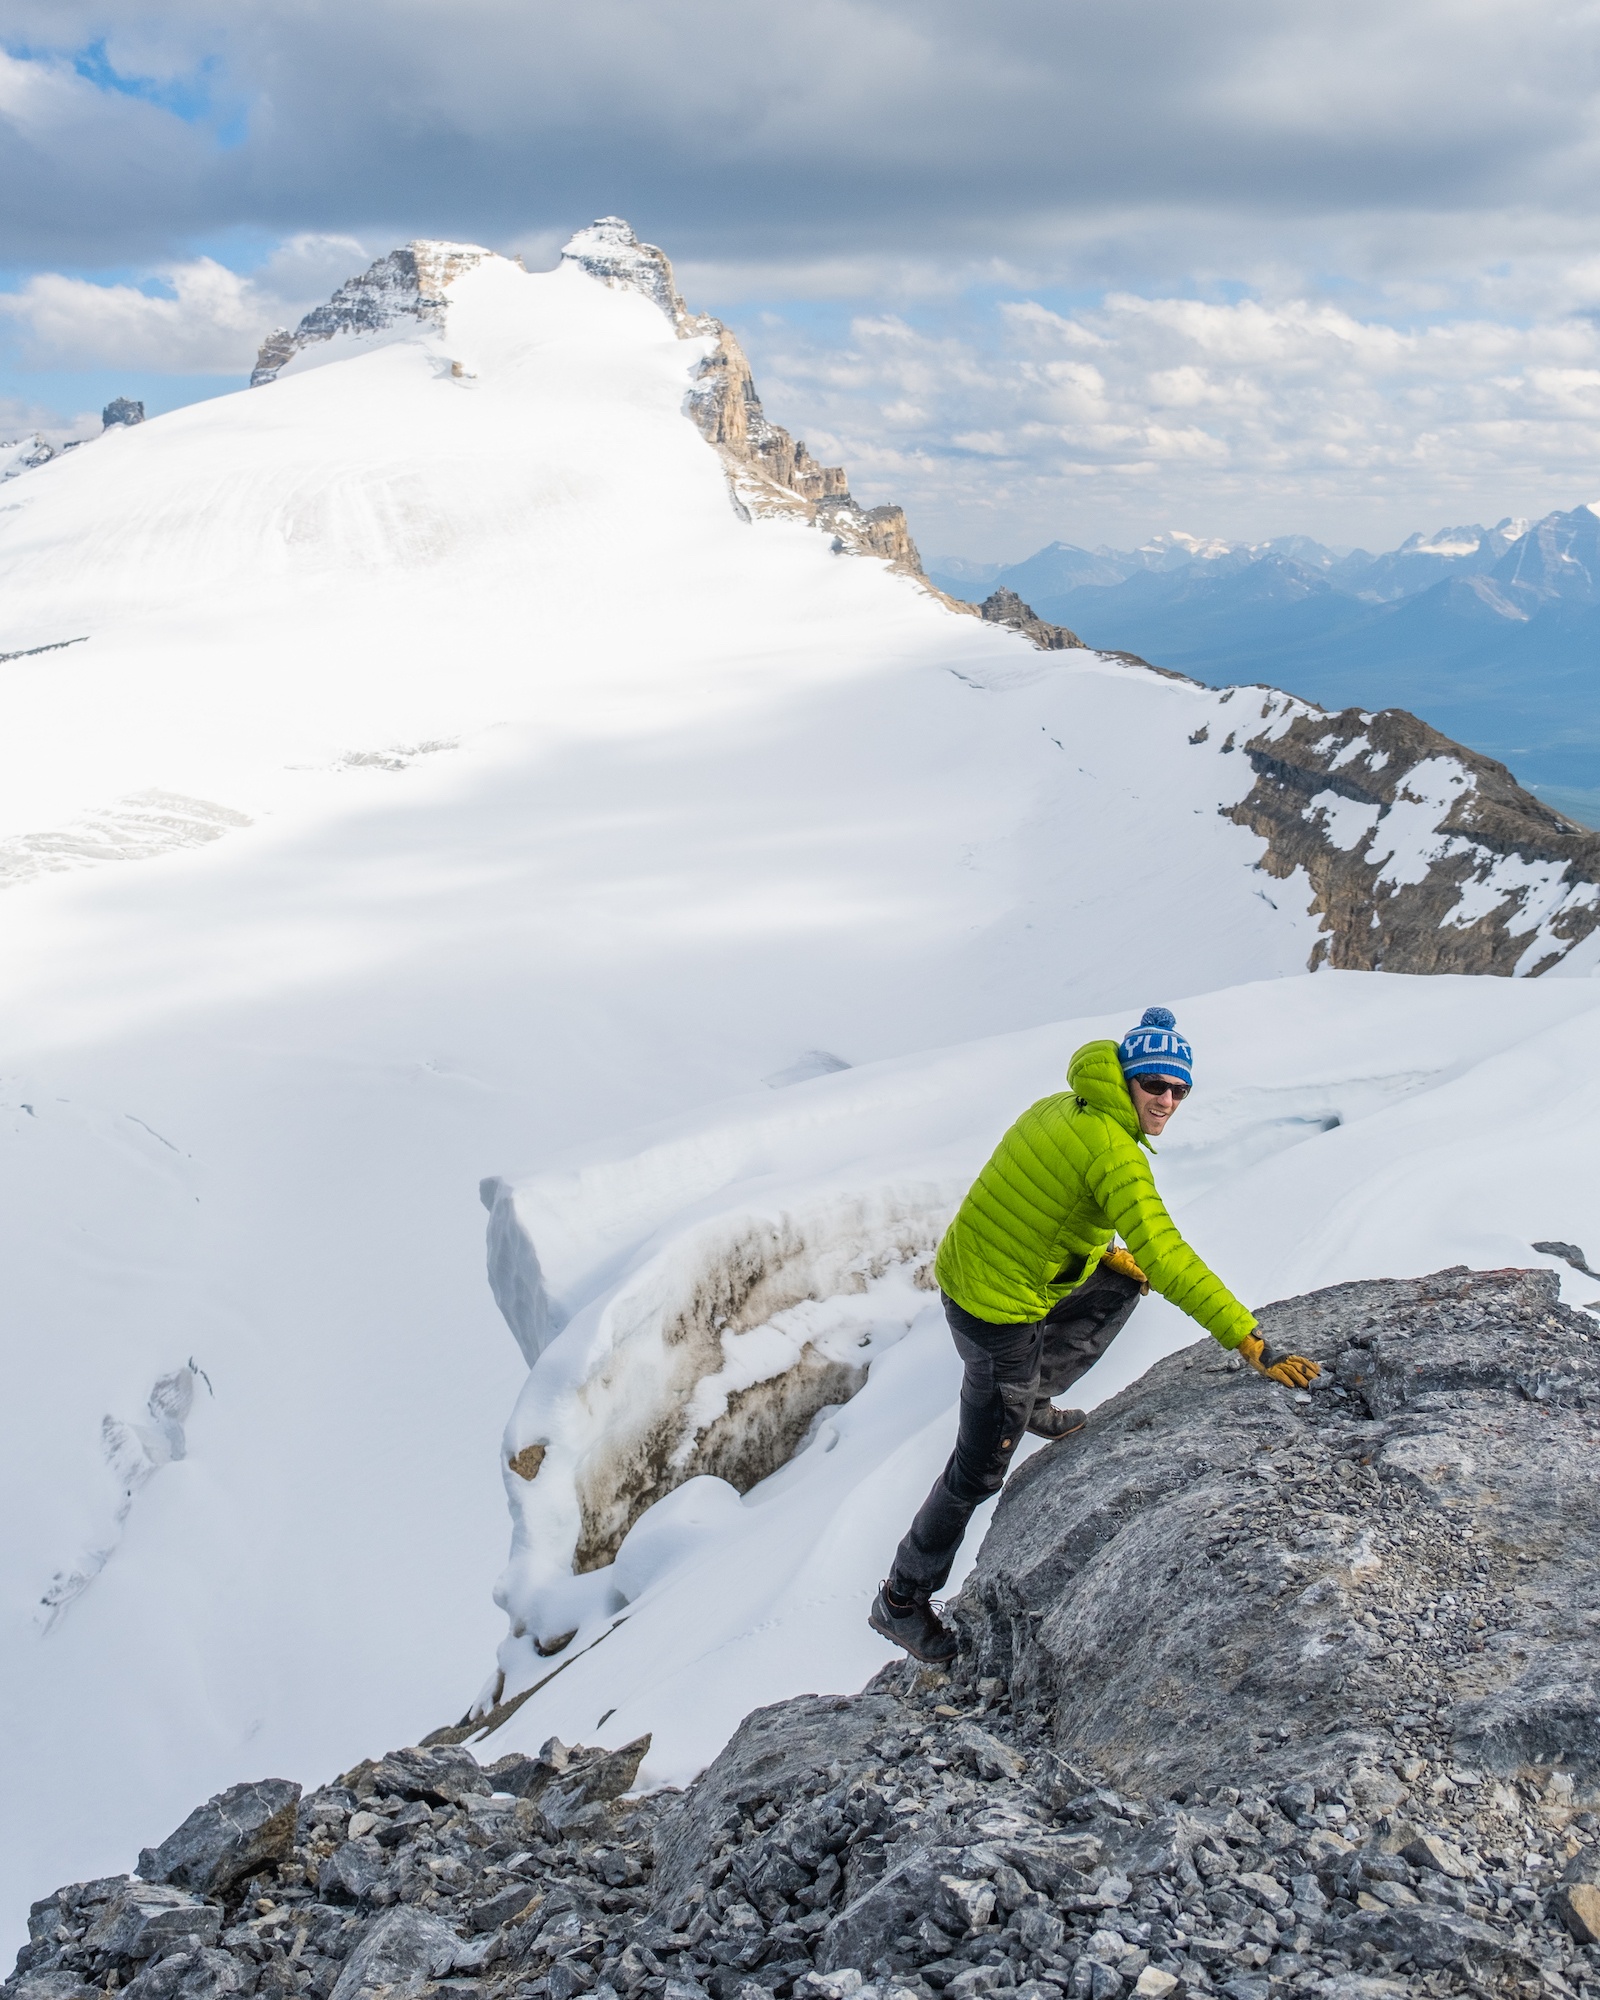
1008,1370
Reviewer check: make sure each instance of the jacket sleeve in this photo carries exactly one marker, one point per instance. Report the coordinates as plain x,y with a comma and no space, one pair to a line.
1119,1177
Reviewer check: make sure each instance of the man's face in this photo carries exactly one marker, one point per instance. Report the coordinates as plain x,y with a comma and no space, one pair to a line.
1154,1110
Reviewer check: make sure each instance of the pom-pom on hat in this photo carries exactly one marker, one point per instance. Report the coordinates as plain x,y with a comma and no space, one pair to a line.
1156,1048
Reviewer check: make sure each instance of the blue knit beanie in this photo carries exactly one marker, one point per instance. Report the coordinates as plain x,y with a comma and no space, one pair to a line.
1156,1047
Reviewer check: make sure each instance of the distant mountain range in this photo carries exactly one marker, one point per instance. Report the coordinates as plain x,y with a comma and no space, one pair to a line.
1491,634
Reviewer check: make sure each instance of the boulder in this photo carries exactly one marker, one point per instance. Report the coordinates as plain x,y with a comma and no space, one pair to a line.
58,1985
442,1775
398,1954
352,1871
243,1829
1223,1576
1427,1850
200,1974
772,1753
147,1917
1429,1940
507,1907
988,1756
1578,1905
867,1928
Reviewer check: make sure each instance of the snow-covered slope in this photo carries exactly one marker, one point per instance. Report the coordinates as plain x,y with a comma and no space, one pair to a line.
448,777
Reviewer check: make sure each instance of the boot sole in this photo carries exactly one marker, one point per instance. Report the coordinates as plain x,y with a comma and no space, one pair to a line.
1055,1437
895,1639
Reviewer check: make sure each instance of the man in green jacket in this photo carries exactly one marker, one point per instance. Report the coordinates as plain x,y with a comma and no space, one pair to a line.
1035,1292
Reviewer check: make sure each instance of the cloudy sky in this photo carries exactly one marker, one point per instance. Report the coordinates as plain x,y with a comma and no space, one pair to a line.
1041,269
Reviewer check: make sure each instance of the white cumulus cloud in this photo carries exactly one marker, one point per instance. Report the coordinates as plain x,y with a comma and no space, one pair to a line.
1246,418
193,318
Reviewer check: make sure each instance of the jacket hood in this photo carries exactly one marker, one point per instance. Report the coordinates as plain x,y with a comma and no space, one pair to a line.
1095,1075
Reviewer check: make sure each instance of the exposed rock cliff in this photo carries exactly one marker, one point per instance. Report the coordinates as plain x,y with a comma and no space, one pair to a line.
407,284
1423,856
19,455
769,472
1004,607
1264,1694
1391,1568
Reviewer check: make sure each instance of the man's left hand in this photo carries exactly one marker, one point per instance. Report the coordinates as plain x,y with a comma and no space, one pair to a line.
1121,1261
1294,1371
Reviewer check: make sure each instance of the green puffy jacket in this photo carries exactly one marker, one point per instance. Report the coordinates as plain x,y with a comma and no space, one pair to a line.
1068,1177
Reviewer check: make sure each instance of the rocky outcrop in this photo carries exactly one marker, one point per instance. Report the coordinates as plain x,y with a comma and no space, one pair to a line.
1263,1693
1393,1568
407,284
1422,855
1004,607
20,455
121,410
238,1833
770,473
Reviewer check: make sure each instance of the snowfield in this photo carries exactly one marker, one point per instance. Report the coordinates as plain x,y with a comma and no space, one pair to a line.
448,782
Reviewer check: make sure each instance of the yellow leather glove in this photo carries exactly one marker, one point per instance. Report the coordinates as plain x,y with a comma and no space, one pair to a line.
1294,1371
1121,1261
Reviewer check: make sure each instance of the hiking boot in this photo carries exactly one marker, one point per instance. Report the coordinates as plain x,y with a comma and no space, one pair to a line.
1049,1422
918,1629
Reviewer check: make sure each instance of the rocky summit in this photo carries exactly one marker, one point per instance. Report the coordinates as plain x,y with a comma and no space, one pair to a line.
1263,1693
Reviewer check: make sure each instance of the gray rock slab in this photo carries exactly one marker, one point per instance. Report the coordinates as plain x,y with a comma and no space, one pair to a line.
352,1871
399,1953
1430,1940
867,1928
59,1985
442,1774
505,1907
151,1916
612,1772
1218,1576
772,1753
201,1974
232,1835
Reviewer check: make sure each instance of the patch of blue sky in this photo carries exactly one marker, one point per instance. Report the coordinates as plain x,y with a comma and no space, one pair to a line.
196,97
191,98
68,394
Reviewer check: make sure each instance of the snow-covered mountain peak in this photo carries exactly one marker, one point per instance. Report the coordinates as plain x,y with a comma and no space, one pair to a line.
407,285
610,251
1447,542
1195,548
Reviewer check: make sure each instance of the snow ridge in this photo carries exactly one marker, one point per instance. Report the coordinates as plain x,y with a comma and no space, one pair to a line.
771,475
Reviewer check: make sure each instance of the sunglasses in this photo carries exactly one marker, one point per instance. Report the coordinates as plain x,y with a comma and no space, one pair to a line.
1161,1086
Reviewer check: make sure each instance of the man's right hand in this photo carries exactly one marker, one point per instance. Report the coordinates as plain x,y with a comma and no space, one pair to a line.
1294,1371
